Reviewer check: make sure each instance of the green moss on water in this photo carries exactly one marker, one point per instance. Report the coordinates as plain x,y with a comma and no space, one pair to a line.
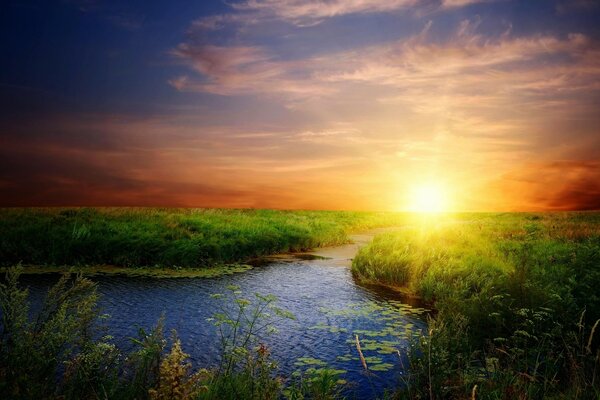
328,328
303,361
156,272
381,367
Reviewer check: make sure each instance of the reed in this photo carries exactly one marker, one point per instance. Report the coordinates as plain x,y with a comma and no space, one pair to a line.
363,361
591,338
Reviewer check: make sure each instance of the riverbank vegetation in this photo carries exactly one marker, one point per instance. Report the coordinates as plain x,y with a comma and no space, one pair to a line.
59,352
517,299
168,238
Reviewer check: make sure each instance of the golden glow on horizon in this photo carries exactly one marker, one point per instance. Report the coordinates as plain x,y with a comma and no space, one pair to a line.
428,198
457,115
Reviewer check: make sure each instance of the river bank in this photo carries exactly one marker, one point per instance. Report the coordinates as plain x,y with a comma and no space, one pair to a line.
516,300
329,311
170,238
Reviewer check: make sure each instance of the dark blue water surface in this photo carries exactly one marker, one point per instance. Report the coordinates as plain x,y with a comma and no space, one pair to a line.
330,308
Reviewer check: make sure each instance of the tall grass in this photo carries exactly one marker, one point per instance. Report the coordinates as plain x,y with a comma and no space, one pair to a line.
56,352
517,302
150,237
510,291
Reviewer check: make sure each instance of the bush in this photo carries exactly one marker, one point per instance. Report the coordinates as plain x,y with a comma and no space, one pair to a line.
57,353
34,352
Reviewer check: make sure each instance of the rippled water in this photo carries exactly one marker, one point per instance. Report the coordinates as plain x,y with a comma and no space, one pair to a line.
329,309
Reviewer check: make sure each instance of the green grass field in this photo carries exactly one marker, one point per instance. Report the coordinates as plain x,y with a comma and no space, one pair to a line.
149,237
517,299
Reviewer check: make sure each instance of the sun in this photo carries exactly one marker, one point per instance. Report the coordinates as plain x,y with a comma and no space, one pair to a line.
428,198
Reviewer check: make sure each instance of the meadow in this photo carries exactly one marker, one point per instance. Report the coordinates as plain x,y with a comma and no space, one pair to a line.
517,300
148,240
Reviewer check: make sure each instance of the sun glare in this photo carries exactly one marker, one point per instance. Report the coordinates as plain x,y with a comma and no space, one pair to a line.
428,198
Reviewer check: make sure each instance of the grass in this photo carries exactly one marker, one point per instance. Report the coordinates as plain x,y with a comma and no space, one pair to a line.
57,352
516,298
151,238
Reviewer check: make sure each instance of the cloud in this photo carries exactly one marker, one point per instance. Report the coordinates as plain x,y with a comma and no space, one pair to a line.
307,13
223,61
301,12
336,136
566,6
467,66
504,118
466,57
428,107
243,70
99,159
217,22
555,185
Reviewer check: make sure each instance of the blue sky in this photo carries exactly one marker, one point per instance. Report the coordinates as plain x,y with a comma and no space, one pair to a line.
300,104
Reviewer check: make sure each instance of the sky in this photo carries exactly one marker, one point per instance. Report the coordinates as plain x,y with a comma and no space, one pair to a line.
289,104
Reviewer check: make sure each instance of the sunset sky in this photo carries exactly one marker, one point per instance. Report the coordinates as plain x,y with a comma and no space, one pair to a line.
338,104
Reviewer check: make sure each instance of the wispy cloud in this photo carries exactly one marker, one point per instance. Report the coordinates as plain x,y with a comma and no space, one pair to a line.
330,104
471,101
302,12
338,135
468,65
103,159
307,13
243,70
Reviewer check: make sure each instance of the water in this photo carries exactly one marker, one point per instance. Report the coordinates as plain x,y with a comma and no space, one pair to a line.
330,308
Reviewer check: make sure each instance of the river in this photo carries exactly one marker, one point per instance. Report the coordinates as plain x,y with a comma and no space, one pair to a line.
328,305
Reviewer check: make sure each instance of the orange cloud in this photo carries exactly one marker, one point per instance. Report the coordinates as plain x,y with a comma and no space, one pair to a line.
505,122
160,162
554,185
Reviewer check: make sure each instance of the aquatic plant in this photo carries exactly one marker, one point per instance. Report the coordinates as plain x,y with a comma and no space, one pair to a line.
176,382
57,353
34,351
316,383
246,369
